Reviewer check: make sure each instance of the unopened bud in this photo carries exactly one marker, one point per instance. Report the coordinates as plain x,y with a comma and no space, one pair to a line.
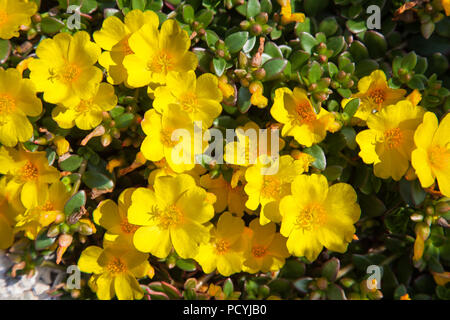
245,25
53,231
260,73
106,140
267,29
341,75
256,29
262,18
322,283
243,60
240,73
85,230
442,207
429,210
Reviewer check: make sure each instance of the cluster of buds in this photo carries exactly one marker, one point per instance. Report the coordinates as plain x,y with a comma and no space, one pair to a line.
258,25
250,69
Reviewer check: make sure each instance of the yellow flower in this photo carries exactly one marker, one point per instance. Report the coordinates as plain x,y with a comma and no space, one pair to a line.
179,153
13,14
156,53
113,217
29,173
173,214
62,145
17,101
7,216
388,142
431,158
267,250
226,88
113,37
296,112
198,98
268,190
446,5
34,219
248,147
316,215
224,251
86,113
163,169
65,69
286,13
374,94
115,270
227,197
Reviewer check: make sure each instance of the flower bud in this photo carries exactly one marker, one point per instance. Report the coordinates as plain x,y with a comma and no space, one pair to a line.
53,231
442,207
85,229
245,25
416,217
256,29
243,60
106,140
322,283
262,18
240,73
260,73
341,75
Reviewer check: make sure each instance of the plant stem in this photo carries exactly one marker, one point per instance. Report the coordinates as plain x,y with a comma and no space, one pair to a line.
77,184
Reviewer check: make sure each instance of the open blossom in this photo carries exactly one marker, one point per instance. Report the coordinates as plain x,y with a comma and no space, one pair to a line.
295,111
389,141
33,220
113,38
198,97
431,158
13,14
269,189
7,216
317,216
375,94
65,69
86,113
226,246
162,139
115,270
174,214
157,52
113,217
266,250
29,172
17,101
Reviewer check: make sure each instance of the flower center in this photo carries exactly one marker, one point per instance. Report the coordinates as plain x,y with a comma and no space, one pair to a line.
127,227
259,251
377,96
161,63
126,47
222,246
439,157
116,265
311,217
7,103
188,101
70,73
166,138
170,217
393,138
48,206
84,106
29,171
305,113
271,187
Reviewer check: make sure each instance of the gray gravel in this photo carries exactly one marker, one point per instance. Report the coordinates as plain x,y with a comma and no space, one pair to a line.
22,287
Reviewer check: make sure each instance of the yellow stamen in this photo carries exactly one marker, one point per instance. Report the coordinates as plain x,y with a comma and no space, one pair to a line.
271,187
311,217
305,113
170,217
48,206
166,138
161,63
378,96
222,246
70,73
188,101
29,171
116,265
84,106
7,103
127,227
393,138
259,251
